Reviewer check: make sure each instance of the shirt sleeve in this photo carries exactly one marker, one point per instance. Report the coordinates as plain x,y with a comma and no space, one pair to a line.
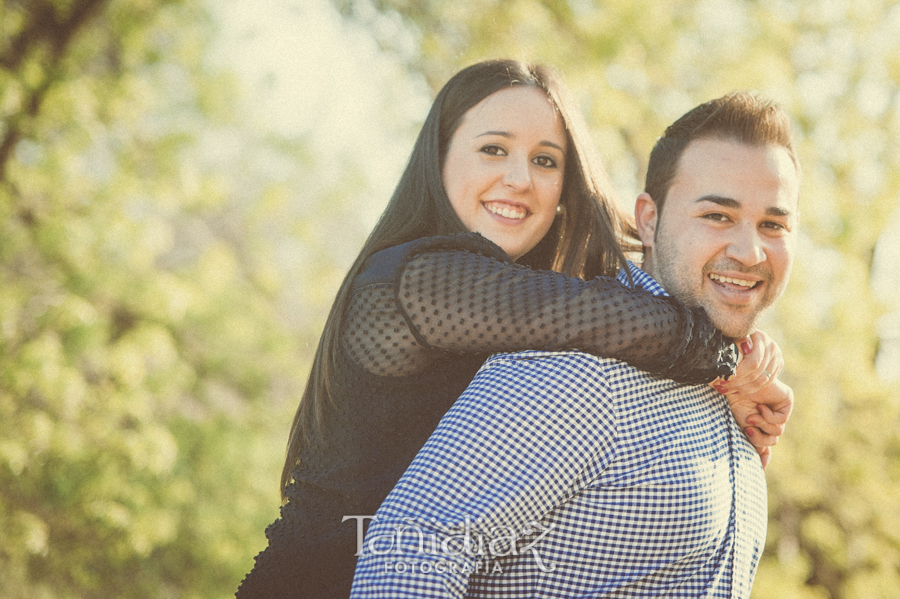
462,294
527,434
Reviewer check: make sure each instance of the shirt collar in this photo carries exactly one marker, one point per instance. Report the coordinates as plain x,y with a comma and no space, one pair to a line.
641,279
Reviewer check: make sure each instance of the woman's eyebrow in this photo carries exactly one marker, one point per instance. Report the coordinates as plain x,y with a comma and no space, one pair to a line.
509,135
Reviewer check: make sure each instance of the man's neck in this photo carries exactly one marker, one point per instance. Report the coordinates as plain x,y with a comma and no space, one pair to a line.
647,265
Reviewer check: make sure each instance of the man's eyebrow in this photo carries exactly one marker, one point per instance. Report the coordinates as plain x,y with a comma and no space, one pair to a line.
734,205
775,211
720,200
509,135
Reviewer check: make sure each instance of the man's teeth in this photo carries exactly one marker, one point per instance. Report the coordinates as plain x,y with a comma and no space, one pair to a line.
741,282
505,211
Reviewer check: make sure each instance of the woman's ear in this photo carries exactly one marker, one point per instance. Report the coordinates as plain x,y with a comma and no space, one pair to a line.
645,216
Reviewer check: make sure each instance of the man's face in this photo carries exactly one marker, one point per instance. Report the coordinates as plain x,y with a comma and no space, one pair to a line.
725,238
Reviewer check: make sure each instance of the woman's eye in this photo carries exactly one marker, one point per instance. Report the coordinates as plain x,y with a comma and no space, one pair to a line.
716,216
545,161
493,150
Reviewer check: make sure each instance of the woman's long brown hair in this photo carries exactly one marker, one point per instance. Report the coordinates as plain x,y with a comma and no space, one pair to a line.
586,239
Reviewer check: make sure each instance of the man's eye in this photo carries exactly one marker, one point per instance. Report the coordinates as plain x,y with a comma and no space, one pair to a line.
774,226
716,216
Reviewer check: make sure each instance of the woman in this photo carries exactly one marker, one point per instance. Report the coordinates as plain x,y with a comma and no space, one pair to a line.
501,179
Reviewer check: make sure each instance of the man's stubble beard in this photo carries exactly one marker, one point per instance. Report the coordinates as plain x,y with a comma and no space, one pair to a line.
685,284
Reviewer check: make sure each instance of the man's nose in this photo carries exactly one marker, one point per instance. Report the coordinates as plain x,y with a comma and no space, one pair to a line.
518,174
746,246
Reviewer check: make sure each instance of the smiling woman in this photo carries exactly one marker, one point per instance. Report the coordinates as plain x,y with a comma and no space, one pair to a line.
471,257
504,168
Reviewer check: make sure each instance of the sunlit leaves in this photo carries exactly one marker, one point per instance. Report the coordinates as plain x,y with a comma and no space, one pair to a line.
136,344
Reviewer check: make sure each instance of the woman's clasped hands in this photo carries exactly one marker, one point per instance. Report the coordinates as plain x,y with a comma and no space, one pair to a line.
761,403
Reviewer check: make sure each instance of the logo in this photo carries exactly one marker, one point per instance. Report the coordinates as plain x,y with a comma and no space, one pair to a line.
468,548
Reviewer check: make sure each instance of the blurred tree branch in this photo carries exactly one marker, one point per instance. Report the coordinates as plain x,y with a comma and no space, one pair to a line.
46,32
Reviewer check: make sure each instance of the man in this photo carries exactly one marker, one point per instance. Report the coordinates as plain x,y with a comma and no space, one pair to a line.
566,475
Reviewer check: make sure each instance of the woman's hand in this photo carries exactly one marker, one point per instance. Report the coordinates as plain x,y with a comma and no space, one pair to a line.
763,414
759,362
761,404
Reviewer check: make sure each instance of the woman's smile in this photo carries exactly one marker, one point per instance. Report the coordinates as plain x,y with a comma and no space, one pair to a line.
506,210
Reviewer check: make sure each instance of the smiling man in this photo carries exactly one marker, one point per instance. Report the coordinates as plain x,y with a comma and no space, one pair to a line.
725,240
559,474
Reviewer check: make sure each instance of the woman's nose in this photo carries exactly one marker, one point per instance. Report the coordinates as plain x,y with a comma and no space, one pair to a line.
518,174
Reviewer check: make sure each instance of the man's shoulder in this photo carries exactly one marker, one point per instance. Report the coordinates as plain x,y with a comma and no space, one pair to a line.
550,372
563,369
551,359
568,365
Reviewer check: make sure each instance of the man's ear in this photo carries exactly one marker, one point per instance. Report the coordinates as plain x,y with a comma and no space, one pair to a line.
645,216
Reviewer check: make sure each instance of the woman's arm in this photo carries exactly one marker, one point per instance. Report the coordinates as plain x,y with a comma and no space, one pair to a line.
761,403
461,294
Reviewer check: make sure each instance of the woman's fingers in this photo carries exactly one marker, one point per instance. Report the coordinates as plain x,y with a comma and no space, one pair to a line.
757,368
761,404
762,415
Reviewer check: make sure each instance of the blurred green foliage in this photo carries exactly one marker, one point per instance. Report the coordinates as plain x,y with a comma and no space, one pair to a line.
144,359
166,264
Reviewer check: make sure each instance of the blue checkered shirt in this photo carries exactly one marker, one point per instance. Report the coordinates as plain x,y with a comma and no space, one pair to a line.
560,474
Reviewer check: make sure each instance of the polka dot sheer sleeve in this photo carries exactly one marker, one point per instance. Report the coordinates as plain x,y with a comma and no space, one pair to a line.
463,295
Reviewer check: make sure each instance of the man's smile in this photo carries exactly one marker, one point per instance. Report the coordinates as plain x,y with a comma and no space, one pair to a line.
744,283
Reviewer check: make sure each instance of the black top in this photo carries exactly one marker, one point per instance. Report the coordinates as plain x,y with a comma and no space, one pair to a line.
421,319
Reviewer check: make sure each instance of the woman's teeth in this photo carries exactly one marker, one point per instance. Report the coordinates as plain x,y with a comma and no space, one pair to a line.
741,282
506,211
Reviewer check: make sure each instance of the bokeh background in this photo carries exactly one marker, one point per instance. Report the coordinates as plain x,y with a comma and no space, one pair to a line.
183,184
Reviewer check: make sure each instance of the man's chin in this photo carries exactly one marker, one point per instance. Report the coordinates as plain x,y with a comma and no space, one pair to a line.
733,326
737,333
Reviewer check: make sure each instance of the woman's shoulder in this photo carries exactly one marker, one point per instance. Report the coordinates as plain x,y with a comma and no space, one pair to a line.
385,265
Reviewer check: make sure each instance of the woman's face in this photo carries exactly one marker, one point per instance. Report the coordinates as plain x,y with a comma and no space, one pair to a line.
504,168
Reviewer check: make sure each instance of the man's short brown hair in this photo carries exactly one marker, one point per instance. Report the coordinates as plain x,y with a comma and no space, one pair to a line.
740,116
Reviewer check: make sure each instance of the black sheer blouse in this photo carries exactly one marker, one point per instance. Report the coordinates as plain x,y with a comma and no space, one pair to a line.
462,295
421,319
